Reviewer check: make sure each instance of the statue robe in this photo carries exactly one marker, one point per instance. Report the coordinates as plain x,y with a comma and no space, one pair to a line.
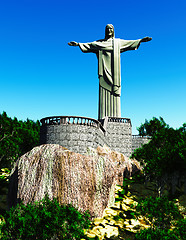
108,54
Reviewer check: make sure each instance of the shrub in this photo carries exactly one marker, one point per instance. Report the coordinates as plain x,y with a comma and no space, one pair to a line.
160,212
156,234
45,219
180,229
164,217
166,151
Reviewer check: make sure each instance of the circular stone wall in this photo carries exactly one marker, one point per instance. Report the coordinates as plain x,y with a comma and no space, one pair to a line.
74,133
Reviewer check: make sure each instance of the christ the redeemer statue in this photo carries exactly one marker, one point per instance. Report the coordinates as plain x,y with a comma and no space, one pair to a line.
108,53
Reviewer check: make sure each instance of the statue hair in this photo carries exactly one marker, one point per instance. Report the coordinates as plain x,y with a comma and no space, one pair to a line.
109,25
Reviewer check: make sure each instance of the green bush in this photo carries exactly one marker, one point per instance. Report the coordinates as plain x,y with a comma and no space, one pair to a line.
45,219
164,218
160,212
4,175
166,151
156,234
180,229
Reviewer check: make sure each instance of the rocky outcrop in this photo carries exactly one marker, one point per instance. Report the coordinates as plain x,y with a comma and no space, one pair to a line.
86,181
117,221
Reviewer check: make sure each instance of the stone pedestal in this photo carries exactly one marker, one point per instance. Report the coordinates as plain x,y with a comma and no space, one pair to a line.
119,134
79,133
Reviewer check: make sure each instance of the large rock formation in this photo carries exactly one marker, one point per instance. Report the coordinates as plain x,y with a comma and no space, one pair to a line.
86,181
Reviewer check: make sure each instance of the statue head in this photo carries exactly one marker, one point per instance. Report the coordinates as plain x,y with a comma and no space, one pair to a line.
109,31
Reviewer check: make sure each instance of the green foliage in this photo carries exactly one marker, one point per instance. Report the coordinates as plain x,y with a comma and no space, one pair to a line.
45,219
164,217
160,212
156,234
166,152
180,229
152,127
16,138
4,180
125,188
4,174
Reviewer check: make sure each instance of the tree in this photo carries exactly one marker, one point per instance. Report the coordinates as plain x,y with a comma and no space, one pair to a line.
164,157
164,219
156,234
159,212
16,138
46,219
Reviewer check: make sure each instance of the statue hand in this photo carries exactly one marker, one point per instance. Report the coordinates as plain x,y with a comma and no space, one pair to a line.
73,43
146,39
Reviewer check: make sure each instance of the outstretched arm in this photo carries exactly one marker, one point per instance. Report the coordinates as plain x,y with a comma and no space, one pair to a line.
73,44
146,39
126,45
85,47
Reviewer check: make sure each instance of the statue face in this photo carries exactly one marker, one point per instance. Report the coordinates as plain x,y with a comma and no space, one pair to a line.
109,31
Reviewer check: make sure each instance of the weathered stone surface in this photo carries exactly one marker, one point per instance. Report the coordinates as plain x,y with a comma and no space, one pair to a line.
117,221
139,141
88,182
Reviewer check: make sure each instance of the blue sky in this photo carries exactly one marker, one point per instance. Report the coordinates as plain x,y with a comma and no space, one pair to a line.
40,75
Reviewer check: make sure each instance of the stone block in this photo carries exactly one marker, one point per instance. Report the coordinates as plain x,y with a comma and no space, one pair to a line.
71,144
75,128
75,149
82,129
63,128
57,129
75,136
69,128
63,135
83,137
50,128
68,136
64,143
83,149
82,142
